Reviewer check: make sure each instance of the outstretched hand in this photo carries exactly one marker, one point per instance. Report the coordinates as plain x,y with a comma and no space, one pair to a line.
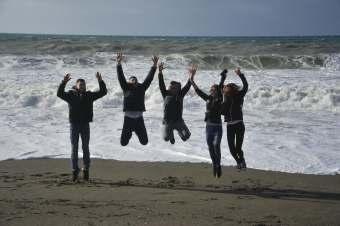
192,71
238,71
161,66
119,57
224,72
67,78
155,60
99,77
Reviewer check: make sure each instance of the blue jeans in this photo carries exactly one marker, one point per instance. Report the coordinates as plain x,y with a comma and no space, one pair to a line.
214,137
82,129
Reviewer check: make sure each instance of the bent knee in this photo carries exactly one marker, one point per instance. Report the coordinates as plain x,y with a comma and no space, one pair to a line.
144,142
124,142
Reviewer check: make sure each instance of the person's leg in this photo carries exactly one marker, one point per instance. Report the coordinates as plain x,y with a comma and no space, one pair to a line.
183,130
85,139
231,142
126,131
209,132
217,143
74,136
240,129
217,148
140,130
168,133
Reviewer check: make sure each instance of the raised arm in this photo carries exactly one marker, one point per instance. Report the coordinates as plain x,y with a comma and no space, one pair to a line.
199,92
192,72
61,89
149,78
161,79
120,73
221,84
102,88
244,82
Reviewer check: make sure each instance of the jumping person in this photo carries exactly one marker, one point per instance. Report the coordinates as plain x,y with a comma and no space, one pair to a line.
134,106
80,104
233,98
213,120
173,106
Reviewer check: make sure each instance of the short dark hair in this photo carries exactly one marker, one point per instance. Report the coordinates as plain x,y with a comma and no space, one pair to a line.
80,80
133,78
175,83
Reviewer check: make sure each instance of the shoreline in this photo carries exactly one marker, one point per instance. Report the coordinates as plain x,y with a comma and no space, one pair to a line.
169,162
40,192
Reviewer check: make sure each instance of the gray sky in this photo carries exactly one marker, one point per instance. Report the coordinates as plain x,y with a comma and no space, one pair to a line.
172,17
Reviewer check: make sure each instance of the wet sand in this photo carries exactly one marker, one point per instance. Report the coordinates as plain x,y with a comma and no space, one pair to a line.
40,192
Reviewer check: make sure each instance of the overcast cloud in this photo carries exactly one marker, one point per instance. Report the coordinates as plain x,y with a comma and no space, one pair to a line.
172,17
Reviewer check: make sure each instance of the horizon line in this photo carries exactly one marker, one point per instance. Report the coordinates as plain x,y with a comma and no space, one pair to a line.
174,36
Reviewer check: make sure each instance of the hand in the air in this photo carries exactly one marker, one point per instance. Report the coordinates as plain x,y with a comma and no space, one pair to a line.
99,76
238,71
192,71
67,78
119,57
155,60
161,67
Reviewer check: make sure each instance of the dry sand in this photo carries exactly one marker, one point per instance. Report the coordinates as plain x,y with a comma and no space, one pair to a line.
39,192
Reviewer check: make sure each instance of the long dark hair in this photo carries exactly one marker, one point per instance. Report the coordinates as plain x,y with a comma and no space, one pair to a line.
235,88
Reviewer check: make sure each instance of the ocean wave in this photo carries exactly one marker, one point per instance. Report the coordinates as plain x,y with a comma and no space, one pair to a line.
243,46
290,97
180,61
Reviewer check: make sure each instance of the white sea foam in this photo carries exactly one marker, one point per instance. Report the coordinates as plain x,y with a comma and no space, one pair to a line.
291,115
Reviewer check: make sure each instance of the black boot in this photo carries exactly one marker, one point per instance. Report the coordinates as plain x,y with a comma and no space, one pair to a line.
86,174
219,171
214,170
75,174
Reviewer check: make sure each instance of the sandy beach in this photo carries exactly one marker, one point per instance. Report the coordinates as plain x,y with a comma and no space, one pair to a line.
40,192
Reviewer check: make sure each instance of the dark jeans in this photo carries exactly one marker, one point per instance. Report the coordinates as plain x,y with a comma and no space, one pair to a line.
235,134
133,125
214,136
82,129
182,129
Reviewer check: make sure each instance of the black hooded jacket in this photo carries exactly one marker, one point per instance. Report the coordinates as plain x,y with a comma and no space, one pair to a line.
213,104
134,96
173,104
232,105
81,106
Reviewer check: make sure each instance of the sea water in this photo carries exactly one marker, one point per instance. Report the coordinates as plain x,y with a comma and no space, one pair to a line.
291,111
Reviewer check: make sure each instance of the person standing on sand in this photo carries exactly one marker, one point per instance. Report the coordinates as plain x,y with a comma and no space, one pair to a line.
213,120
173,106
233,98
133,103
80,104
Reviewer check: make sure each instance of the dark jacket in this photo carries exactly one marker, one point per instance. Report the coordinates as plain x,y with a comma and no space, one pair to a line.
173,104
232,106
213,104
134,97
81,106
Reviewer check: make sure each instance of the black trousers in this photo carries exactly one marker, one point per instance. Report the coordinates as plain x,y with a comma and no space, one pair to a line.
235,135
82,129
133,125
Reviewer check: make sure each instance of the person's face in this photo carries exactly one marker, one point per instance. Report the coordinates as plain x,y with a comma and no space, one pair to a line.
213,91
227,90
81,86
173,88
